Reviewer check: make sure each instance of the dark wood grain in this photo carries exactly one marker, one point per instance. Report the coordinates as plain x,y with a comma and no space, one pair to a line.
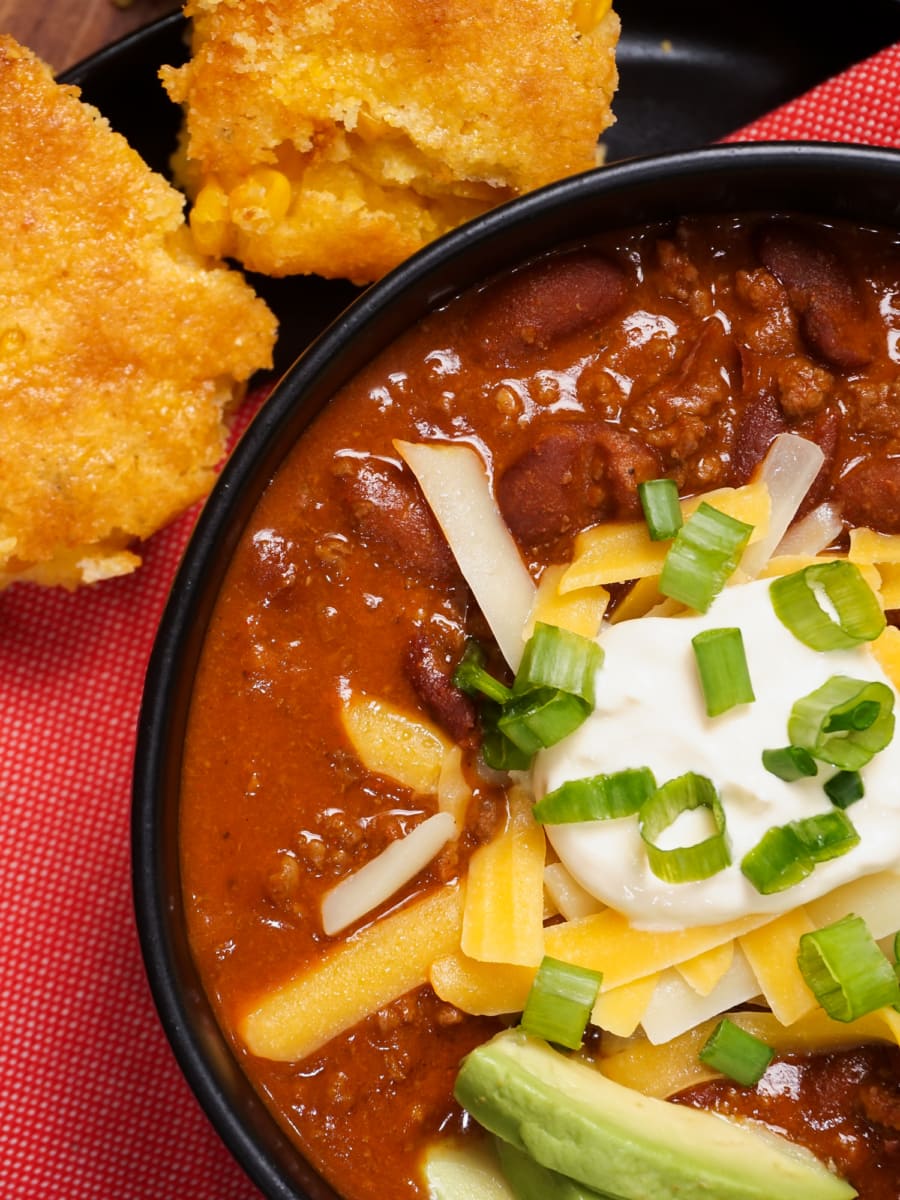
64,31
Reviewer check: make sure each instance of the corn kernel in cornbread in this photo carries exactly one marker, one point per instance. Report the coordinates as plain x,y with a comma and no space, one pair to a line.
120,345
336,138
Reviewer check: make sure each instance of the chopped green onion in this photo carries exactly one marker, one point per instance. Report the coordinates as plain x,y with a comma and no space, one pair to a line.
724,675
790,763
779,860
845,788
861,716
786,854
662,512
552,694
597,798
811,716
706,550
796,603
684,864
541,718
826,835
560,1002
497,750
736,1053
471,677
559,659
846,971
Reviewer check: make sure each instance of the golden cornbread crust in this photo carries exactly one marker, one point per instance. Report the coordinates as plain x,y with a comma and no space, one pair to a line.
120,345
391,121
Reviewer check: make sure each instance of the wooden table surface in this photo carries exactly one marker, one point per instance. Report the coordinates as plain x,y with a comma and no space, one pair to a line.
64,31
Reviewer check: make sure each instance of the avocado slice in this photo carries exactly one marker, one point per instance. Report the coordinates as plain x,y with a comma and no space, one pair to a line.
465,1171
573,1120
530,1181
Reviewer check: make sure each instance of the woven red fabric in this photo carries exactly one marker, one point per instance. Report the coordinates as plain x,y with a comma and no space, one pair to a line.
860,105
92,1104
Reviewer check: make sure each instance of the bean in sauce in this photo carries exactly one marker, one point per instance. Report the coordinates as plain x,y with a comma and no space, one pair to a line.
679,350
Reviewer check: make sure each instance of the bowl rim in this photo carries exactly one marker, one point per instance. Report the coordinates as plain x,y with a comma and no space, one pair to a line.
425,281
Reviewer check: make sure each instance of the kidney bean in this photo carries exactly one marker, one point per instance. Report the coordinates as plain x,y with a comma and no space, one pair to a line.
427,670
758,424
272,562
572,476
823,293
825,430
544,302
870,494
388,510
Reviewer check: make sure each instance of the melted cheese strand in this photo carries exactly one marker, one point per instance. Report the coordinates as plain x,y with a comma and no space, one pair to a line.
455,484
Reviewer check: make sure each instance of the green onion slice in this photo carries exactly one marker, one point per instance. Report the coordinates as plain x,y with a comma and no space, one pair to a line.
596,798
560,1002
497,750
786,854
826,835
662,512
736,1053
812,719
722,664
552,694
779,860
684,864
706,550
845,788
857,614
790,763
559,659
861,716
846,971
541,718
471,677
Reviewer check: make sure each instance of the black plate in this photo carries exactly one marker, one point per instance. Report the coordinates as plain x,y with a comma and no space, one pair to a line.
690,74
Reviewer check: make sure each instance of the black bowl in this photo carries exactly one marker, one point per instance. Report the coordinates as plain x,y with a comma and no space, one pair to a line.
856,183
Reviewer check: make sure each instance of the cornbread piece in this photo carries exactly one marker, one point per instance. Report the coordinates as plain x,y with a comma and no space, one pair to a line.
338,137
121,347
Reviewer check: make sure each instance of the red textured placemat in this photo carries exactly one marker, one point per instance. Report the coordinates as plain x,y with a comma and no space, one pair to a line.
860,105
92,1104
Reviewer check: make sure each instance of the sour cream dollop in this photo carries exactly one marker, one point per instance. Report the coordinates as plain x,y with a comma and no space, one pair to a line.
650,713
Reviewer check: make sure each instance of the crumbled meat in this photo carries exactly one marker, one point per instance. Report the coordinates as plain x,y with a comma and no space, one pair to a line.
874,407
881,1104
341,840
801,386
759,290
679,276
283,882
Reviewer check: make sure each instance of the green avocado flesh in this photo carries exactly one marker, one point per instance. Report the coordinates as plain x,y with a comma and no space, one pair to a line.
571,1119
465,1171
530,1181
